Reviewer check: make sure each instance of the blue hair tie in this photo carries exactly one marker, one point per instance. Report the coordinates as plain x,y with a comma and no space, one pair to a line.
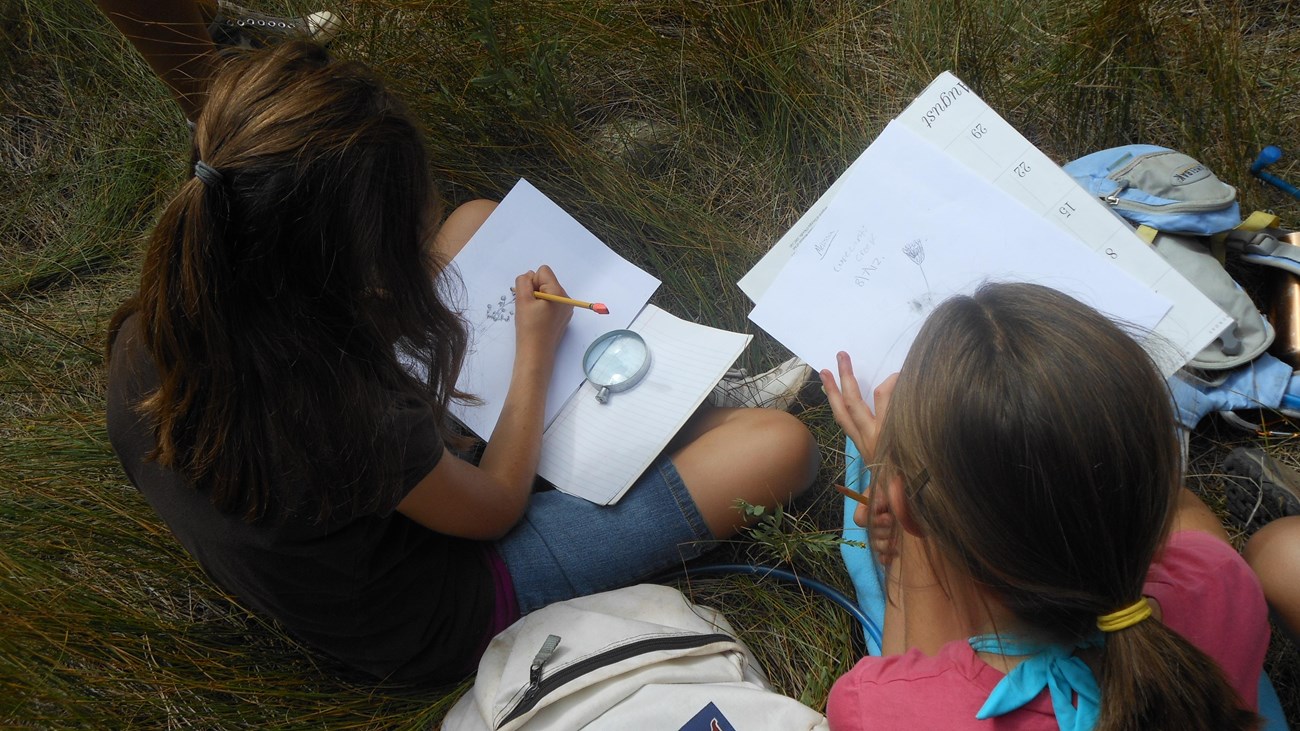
210,176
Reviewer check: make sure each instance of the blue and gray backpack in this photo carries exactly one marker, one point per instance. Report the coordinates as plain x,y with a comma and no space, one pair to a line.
1180,206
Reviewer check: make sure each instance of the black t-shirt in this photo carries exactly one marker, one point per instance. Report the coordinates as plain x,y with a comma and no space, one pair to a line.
371,588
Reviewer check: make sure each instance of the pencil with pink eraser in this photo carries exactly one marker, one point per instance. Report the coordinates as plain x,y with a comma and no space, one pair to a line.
596,307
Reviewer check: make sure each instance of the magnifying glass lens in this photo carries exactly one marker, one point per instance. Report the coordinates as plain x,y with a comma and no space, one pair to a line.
616,361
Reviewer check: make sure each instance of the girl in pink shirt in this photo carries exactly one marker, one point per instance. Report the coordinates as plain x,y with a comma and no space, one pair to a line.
1045,569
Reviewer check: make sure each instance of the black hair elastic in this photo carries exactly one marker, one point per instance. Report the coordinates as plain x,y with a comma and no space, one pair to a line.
210,176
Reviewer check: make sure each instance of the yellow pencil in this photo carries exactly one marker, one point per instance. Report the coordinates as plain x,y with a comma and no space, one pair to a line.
596,307
853,495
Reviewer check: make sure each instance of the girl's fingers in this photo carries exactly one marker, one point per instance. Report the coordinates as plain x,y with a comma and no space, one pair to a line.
859,422
879,522
842,408
884,392
524,285
853,403
546,281
834,397
831,387
850,383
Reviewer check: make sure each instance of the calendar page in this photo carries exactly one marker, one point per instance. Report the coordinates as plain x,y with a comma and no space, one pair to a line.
953,119
910,228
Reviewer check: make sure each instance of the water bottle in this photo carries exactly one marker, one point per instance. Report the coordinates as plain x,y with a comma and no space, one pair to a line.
1284,310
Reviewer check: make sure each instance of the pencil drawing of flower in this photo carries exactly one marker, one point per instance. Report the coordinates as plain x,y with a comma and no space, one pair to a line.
503,310
916,252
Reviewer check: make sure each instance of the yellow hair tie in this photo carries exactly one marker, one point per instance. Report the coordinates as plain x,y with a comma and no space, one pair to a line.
1126,617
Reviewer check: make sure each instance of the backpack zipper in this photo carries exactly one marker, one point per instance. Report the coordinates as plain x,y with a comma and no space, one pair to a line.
1180,207
1114,200
539,687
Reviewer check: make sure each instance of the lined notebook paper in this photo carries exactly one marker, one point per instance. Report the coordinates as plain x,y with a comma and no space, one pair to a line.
596,451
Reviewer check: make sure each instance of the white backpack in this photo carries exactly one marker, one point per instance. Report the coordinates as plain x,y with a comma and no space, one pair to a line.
643,657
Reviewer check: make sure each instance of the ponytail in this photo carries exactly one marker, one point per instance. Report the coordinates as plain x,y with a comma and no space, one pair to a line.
1152,678
279,284
987,406
188,275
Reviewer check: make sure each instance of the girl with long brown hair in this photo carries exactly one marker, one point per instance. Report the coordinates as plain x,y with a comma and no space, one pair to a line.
1045,567
257,400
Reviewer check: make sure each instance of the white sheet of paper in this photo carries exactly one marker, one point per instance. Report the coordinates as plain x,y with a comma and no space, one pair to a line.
951,117
954,119
761,275
526,231
892,245
596,451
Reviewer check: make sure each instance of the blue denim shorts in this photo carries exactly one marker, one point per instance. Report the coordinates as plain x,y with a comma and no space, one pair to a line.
566,546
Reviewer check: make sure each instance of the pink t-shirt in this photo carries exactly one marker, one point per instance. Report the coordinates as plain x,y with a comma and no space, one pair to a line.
1207,594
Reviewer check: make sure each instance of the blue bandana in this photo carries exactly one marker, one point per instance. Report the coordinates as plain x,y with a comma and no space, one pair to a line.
1049,666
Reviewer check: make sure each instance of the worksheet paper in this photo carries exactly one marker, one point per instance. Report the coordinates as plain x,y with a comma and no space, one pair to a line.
909,227
756,281
596,451
591,450
526,231
953,119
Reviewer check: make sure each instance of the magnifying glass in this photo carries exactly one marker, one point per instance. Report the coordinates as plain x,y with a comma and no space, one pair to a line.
616,361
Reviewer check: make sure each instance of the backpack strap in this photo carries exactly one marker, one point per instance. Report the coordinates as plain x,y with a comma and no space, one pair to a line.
1259,241
1258,221
1264,244
1254,223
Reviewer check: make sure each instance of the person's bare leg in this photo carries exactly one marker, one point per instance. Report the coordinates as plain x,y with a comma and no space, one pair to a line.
1274,553
173,39
456,231
762,456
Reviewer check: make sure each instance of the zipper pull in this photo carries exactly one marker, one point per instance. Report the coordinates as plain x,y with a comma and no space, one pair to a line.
539,660
1113,198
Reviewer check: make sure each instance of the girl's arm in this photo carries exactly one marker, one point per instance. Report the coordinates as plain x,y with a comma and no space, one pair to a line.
485,501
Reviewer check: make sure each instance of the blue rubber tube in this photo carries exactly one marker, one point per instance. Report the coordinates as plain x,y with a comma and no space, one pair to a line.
1268,156
761,572
1279,183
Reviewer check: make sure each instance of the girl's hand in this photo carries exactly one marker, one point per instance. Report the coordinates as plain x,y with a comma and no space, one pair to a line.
539,324
879,522
852,413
